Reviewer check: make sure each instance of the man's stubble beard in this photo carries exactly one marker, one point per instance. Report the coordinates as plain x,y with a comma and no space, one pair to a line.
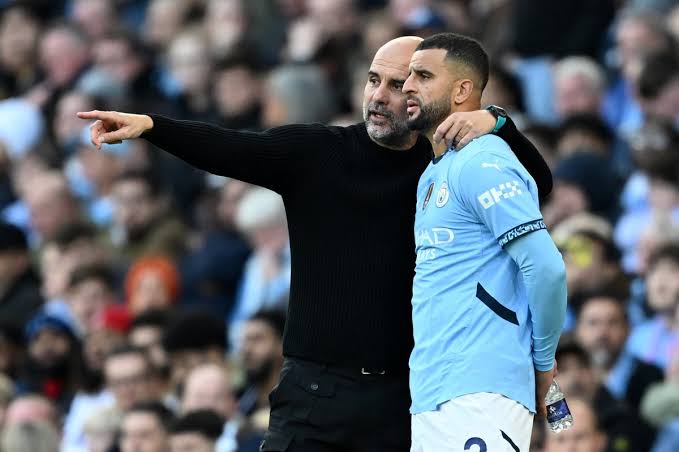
431,115
397,135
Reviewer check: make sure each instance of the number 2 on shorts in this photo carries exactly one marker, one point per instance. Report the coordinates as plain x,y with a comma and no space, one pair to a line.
476,442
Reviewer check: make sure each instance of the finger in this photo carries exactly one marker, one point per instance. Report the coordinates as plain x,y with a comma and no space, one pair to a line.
96,129
96,114
452,133
464,131
114,137
443,128
467,137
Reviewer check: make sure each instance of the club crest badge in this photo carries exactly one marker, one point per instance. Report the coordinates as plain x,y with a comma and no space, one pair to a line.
443,195
426,198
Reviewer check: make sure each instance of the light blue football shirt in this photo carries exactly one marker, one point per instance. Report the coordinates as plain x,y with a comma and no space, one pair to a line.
471,318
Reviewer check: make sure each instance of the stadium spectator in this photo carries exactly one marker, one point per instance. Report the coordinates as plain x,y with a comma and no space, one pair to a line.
100,429
579,84
31,408
261,353
654,340
211,387
94,17
6,394
196,431
238,108
213,270
151,283
592,265
584,133
74,245
19,285
130,378
614,417
602,329
146,332
51,205
584,436
659,85
64,55
30,437
19,34
266,276
53,363
145,427
193,338
142,223
583,182
90,291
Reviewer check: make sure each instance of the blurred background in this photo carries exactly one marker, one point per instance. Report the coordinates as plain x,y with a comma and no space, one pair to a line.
142,302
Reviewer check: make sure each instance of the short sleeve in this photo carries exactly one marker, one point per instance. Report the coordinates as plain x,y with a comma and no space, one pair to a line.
499,192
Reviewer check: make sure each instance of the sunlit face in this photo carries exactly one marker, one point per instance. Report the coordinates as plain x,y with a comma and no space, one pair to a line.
428,88
384,102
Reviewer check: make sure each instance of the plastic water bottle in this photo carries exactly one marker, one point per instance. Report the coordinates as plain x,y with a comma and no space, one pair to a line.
559,416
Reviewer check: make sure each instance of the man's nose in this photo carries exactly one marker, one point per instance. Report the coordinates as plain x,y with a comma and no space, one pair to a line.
381,94
408,85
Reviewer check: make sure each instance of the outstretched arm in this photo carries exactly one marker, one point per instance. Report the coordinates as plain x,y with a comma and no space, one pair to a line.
273,159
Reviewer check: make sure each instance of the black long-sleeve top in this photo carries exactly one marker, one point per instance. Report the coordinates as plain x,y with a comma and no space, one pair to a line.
350,205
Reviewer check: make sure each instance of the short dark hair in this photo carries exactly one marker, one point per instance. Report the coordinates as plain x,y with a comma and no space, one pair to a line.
153,317
12,238
589,123
194,330
274,318
510,83
658,70
603,295
205,422
131,350
100,273
668,252
147,176
569,347
163,415
70,233
461,49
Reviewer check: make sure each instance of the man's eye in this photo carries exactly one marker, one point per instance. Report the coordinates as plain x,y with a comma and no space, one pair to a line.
373,82
398,86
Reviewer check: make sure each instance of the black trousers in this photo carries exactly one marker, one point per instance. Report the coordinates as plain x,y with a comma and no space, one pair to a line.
317,408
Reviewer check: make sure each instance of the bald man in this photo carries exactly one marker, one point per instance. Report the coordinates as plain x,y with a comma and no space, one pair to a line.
349,195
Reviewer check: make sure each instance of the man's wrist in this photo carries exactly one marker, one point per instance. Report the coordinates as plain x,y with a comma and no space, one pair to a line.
500,116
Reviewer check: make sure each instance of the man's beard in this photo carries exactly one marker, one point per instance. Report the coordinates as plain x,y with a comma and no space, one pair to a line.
261,373
396,135
431,115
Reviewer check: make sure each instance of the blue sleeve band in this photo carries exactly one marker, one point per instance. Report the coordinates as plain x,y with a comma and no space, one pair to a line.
544,275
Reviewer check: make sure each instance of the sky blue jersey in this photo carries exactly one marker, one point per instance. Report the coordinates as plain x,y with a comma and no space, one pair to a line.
471,318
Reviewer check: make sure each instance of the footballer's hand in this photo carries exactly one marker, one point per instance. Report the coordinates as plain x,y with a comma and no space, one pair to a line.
461,127
113,127
543,380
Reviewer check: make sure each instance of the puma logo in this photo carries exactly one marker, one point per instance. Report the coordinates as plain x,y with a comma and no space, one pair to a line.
491,165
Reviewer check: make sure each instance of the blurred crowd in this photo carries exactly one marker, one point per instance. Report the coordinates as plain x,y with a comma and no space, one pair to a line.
142,302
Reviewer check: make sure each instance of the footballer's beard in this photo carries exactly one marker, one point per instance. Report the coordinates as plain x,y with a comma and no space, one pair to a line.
431,115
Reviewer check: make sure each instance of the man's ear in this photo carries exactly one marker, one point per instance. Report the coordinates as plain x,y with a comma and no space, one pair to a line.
463,91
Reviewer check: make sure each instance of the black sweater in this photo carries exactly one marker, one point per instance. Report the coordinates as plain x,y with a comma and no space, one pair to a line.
350,205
